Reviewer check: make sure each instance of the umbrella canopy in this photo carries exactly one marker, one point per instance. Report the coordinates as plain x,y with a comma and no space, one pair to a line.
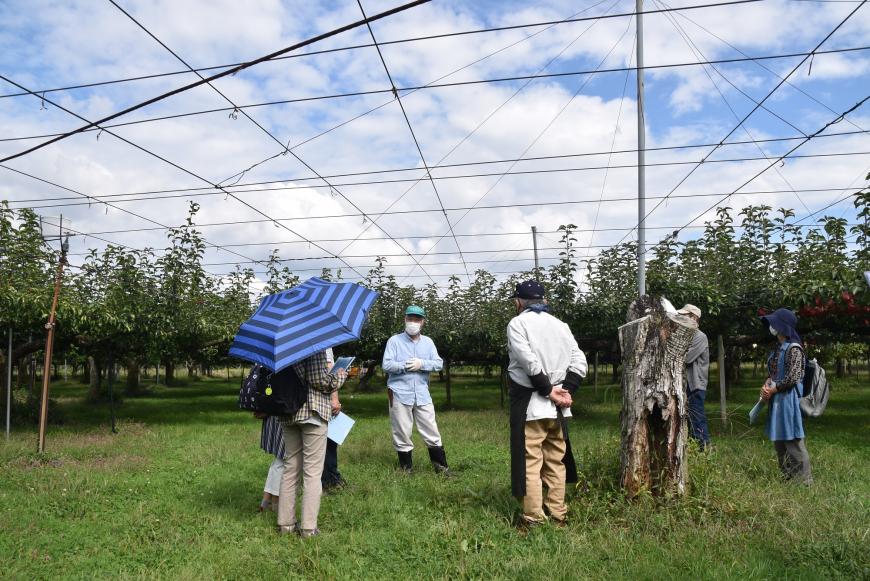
296,323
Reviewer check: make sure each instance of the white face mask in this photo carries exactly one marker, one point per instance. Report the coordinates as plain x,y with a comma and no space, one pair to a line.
412,329
773,332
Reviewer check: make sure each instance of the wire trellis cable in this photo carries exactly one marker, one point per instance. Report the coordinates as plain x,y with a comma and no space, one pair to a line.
285,149
281,56
416,141
776,161
700,55
171,163
204,80
435,85
756,107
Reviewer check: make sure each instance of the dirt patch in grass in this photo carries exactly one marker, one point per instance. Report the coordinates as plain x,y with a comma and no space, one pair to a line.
103,438
96,463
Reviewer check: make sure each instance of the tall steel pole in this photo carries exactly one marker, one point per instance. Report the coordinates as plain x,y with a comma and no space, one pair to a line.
9,387
535,246
641,169
49,345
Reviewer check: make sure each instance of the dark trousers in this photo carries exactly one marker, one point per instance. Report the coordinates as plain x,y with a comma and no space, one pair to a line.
794,460
697,417
331,475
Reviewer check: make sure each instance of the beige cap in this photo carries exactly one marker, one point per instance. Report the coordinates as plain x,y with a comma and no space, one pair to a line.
690,310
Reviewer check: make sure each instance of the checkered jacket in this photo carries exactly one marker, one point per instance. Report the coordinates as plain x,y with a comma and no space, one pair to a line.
313,371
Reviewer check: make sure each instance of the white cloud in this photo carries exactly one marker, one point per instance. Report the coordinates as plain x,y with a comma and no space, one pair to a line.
83,42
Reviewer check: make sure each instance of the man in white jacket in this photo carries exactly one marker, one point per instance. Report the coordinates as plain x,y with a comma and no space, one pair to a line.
545,369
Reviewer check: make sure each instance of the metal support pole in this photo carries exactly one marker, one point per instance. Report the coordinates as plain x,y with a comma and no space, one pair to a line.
49,344
535,247
723,414
9,387
641,169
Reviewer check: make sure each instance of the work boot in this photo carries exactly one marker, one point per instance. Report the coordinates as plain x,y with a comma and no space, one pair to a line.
439,460
405,461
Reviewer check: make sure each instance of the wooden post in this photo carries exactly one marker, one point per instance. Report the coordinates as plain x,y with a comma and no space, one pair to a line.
654,428
723,413
49,345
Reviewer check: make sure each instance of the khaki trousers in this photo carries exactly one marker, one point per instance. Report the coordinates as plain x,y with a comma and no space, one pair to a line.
402,419
304,451
545,449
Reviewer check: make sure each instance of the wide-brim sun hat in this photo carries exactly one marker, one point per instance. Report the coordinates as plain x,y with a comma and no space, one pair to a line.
784,321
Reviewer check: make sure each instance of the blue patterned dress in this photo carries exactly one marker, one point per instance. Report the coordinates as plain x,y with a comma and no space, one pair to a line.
272,437
784,420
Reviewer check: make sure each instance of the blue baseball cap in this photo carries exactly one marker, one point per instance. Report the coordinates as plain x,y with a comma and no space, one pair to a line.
530,289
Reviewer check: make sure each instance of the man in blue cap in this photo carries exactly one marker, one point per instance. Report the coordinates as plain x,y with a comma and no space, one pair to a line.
409,357
546,366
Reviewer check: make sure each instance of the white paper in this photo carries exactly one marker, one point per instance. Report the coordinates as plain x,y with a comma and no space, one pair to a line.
756,411
339,428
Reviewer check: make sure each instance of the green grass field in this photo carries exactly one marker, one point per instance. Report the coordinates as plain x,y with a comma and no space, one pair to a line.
173,495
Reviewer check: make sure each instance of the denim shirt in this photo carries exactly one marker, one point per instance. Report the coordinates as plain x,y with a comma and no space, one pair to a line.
410,387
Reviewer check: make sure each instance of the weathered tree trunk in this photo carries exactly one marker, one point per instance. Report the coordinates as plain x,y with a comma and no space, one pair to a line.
732,367
654,429
95,384
132,385
32,373
595,372
841,367
169,373
366,378
22,373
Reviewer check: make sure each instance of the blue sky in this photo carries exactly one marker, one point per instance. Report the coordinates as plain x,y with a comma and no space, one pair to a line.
45,45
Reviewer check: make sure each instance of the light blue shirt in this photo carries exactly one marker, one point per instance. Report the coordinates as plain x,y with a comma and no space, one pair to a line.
410,387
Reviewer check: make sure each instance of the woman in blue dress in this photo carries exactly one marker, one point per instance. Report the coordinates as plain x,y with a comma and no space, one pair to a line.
783,390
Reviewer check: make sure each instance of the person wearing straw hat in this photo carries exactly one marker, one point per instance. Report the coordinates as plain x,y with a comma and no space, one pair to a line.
409,357
783,390
697,374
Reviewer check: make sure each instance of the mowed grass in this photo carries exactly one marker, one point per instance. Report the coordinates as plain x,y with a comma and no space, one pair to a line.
173,495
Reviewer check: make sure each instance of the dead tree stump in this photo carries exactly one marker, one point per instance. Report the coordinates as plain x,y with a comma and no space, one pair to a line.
654,427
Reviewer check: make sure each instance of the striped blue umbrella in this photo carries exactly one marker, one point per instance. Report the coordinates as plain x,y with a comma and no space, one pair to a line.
293,324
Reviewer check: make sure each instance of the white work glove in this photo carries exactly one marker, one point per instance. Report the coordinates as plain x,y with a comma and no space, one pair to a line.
413,364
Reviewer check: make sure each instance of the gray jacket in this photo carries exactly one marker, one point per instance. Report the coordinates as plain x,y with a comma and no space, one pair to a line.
698,362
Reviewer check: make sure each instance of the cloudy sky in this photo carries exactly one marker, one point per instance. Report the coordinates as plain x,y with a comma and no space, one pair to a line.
573,134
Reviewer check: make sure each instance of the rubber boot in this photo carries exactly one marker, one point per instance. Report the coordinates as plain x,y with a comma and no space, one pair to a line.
405,461
439,460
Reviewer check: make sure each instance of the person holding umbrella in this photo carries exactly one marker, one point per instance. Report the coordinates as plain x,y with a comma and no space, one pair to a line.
272,442
409,357
304,436
289,333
